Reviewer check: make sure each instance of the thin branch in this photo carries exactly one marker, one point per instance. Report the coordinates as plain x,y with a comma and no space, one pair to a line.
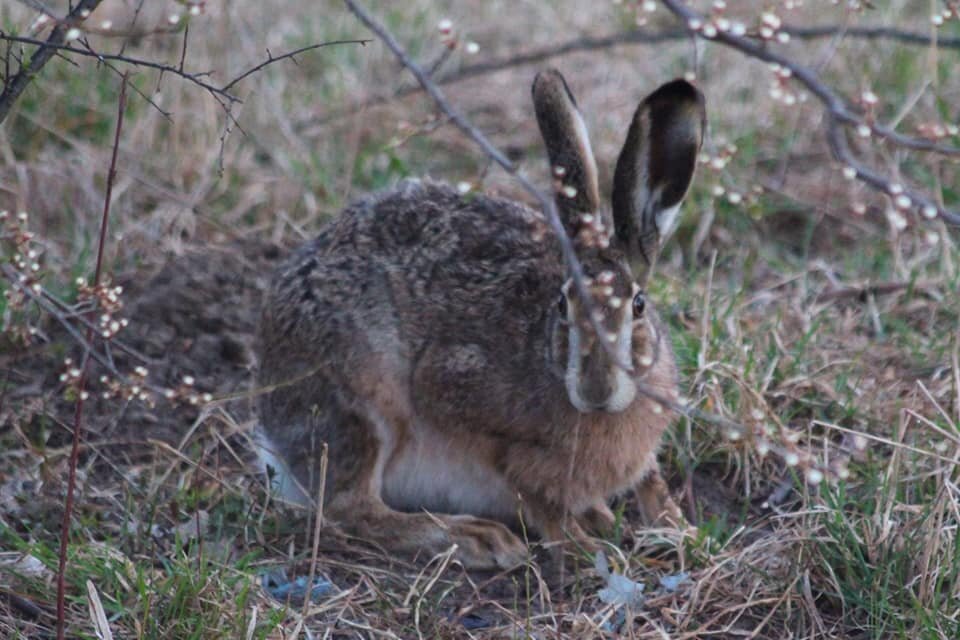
545,201
871,33
81,384
837,114
12,88
271,59
183,50
645,37
143,95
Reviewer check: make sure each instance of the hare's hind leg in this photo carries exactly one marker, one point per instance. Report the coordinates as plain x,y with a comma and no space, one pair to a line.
598,520
481,544
357,505
300,418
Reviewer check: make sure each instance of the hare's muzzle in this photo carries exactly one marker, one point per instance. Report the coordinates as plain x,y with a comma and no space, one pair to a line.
596,379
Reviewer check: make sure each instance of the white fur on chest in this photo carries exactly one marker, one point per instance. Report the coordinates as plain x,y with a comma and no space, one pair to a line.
445,474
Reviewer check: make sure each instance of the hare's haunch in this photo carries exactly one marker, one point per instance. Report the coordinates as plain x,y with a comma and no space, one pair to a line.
434,342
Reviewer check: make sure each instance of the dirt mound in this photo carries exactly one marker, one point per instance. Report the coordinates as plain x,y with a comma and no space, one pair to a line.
195,317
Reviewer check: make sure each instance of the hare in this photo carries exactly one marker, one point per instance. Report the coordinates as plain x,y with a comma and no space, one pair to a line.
436,343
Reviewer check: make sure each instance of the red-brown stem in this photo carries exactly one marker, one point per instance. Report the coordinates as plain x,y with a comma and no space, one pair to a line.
81,384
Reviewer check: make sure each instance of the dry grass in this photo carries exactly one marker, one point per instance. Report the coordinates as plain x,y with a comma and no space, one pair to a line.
788,310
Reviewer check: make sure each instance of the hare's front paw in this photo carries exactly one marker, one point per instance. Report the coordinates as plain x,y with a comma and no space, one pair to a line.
485,544
656,504
598,520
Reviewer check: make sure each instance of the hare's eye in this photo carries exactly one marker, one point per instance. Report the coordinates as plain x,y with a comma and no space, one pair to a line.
639,302
562,306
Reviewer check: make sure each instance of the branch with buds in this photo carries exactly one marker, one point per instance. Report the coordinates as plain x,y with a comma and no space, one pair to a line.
583,44
841,117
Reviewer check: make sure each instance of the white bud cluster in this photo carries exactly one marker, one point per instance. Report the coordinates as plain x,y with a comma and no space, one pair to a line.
764,437
186,392
71,372
717,23
194,8
770,28
719,161
450,40
19,249
592,232
950,12
642,11
41,21
781,89
134,389
936,131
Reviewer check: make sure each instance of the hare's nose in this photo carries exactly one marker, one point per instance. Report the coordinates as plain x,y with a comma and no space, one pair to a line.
595,390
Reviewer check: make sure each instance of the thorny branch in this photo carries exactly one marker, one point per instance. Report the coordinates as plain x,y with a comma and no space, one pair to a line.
838,114
221,93
13,87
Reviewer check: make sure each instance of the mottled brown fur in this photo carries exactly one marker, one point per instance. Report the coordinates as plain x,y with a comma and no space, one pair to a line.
420,337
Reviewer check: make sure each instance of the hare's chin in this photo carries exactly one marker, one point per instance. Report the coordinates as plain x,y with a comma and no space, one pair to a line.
624,393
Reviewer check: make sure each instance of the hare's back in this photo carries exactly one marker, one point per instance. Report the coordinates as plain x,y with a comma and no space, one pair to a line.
419,263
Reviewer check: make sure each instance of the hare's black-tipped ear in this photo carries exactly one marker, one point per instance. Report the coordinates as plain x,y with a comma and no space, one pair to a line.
571,158
655,169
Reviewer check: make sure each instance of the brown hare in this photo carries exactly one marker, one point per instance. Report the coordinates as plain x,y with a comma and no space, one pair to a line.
435,343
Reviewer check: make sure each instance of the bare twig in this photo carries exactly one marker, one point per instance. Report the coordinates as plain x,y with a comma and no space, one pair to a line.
81,393
838,113
13,87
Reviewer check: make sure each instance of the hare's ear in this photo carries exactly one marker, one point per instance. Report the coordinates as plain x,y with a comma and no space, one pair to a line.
655,168
571,158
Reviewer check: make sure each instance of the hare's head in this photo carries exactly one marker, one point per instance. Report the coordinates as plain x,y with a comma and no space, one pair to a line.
617,247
